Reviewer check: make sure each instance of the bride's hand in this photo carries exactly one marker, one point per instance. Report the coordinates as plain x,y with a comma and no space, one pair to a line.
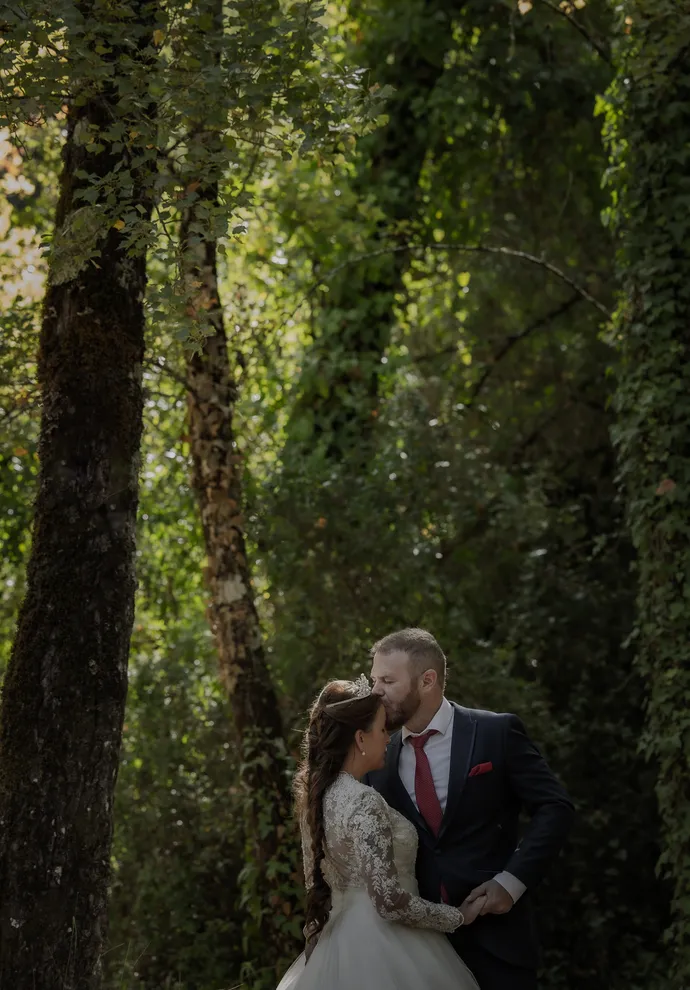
471,909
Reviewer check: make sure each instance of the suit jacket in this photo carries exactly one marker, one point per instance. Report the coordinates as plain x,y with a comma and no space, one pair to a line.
478,837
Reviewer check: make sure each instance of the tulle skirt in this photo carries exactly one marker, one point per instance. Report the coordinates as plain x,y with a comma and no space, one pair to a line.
359,950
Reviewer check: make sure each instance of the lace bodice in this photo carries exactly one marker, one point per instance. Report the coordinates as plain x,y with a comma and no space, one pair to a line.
371,846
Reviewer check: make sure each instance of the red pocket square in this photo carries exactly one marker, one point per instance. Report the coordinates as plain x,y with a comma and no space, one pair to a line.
481,768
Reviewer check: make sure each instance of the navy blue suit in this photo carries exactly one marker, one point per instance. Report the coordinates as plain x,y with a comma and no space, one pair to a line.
478,837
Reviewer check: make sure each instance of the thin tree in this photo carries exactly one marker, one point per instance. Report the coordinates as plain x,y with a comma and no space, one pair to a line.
272,899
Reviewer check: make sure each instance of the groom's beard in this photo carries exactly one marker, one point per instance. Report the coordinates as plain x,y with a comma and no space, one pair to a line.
398,714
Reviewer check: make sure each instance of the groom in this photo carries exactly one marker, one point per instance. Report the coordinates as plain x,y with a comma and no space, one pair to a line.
461,776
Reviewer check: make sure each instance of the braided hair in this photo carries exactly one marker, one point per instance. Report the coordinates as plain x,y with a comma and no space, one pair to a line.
334,718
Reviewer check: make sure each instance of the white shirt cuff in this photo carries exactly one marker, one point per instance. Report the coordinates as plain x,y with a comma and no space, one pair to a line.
515,887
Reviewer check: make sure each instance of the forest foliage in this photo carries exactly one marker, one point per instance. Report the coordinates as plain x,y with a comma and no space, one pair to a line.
416,285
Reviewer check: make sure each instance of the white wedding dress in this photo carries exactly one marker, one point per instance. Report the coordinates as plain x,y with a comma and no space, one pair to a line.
380,934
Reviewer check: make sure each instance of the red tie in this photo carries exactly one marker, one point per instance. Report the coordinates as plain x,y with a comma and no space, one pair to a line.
425,792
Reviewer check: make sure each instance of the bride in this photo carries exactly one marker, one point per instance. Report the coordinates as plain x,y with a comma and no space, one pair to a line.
366,924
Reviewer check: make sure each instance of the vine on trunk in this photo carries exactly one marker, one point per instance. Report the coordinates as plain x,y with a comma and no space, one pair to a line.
648,134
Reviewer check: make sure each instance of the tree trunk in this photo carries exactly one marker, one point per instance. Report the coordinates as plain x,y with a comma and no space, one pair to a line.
340,384
217,480
269,893
64,693
648,130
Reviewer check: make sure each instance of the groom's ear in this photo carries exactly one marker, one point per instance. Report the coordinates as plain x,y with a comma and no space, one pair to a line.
429,679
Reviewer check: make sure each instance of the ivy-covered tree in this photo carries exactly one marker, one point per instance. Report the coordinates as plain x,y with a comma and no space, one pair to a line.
648,123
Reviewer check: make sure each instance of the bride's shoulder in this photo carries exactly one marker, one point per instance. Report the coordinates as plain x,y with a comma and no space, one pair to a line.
354,794
363,799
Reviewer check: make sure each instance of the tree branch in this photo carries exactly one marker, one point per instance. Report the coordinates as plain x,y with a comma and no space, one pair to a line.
162,368
469,249
598,48
506,346
514,339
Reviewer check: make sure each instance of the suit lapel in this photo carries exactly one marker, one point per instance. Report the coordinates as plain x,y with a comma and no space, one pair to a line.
398,796
464,732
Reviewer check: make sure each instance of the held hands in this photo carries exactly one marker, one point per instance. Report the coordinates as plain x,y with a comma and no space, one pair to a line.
470,911
487,898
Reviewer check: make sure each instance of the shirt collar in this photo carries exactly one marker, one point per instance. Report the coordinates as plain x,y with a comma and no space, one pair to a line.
441,721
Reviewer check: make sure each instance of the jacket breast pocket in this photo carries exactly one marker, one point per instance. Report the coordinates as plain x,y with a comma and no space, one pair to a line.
481,769
484,789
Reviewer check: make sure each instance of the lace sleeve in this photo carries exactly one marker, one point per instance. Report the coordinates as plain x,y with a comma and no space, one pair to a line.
373,840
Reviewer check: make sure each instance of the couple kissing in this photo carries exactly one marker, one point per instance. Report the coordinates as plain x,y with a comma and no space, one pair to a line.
417,878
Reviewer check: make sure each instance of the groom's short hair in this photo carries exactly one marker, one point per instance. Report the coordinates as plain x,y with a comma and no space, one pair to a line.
420,646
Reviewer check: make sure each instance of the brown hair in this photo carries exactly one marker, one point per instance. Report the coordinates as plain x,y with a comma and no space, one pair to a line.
420,646
334,718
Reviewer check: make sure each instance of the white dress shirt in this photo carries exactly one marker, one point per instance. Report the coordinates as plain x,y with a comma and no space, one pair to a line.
438,749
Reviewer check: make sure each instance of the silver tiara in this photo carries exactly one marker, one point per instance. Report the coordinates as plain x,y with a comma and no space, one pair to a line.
362,686
362,690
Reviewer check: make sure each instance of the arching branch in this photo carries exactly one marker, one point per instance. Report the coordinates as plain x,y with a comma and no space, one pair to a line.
469,249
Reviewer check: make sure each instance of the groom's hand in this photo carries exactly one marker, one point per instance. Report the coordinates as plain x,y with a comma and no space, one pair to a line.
497,899
471,912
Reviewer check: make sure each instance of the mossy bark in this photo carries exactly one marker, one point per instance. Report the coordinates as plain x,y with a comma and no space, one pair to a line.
64,693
